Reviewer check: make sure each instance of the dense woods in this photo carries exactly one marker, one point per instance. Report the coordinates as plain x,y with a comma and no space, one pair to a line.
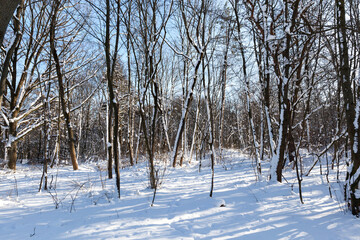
173,80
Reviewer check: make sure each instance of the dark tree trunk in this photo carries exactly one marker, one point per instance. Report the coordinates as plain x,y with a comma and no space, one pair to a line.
349,105
12,150
110,68
7,10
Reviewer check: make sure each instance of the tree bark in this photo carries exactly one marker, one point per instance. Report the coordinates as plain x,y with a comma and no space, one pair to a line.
7,9
12,146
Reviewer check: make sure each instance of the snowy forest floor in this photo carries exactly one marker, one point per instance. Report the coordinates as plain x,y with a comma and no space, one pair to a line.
241,207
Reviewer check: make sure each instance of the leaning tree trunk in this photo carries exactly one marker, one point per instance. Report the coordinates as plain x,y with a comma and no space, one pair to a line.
200,52
65,111
185,111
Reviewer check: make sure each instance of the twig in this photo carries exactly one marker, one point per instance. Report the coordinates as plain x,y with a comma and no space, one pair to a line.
33,234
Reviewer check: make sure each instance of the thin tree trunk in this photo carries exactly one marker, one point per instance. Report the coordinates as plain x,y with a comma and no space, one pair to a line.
193,141
130,92
185,110
57,143
138,141
109,139
80,132
210,125
47,131
223,89
110,68
248,104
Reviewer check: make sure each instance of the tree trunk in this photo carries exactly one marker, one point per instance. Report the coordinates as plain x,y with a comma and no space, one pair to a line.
223,89
352,115
109,138
110,69
193,141
185,111
116,146
12,146
7,9
47,137
130,92
210,119
248,104
65,111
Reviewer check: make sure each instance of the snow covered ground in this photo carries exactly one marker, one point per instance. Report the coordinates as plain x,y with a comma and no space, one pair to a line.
242,208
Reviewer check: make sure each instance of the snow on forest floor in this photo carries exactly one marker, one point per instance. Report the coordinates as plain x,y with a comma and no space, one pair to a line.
88,207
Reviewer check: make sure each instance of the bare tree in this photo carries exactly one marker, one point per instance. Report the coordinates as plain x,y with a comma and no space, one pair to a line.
228,26
111,60
240,40
152,18
65,110
194,21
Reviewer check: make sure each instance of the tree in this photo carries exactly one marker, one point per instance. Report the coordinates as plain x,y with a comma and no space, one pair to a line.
65,110
247,84
351,106
195,20
111,60
279,28
147,44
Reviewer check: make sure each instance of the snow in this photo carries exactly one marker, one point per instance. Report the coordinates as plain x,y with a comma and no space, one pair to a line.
11,139
356,126
357,193
242,208
287,29
271,37
276,157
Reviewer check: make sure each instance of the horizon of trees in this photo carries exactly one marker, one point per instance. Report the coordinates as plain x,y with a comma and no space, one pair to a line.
169,80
